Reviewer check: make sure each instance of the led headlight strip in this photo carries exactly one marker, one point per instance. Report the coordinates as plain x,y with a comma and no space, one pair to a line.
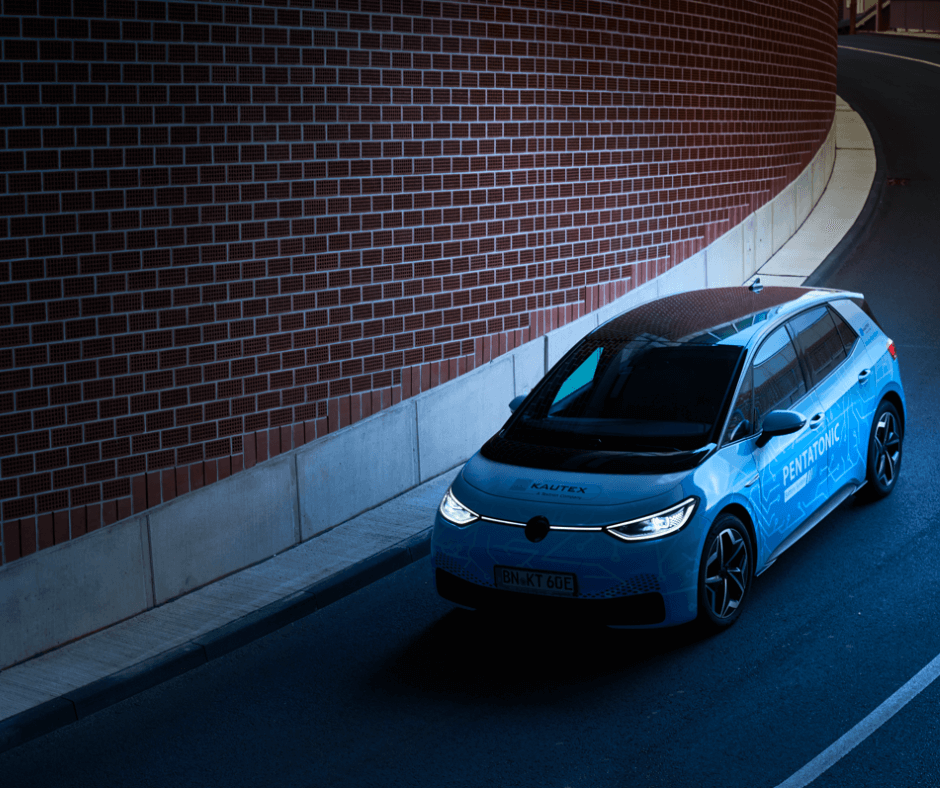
455,512
652,526
656,525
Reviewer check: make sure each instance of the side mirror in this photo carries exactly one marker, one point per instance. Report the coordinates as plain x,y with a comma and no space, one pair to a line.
515,402
780,422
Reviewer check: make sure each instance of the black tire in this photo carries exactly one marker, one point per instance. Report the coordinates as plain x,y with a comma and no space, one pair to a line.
725,574
884,452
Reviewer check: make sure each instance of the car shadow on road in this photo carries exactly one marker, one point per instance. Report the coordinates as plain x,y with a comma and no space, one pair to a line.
509,657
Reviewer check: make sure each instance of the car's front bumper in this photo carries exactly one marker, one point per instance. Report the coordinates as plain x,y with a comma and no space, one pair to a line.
646,583
634,610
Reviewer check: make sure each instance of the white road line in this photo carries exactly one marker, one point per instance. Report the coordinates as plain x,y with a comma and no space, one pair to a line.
888,54
865,728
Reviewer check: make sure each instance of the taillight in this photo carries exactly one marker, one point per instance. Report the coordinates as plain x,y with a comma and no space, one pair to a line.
892,349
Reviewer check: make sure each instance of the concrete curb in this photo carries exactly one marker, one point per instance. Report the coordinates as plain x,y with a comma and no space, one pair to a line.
861,228
80,703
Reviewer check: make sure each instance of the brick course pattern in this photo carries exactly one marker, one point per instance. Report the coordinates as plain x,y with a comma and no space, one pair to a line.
229,228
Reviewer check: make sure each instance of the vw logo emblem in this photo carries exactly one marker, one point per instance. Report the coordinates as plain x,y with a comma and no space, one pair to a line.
537,528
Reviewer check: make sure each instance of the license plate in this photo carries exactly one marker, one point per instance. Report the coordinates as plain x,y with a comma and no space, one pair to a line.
535,582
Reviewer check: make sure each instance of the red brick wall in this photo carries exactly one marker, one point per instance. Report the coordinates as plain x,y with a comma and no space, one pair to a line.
229,228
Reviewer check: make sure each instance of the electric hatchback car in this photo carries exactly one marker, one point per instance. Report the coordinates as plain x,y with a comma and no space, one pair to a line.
673,454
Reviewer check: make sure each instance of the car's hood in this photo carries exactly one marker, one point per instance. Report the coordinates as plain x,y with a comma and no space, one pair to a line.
508,492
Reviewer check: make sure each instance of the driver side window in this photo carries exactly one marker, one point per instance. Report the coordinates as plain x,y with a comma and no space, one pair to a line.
773,381
778,379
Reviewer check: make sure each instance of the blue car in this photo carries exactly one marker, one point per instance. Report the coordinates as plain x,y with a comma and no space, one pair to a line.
672,455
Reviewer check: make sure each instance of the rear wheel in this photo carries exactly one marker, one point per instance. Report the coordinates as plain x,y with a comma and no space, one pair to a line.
884,452
725,573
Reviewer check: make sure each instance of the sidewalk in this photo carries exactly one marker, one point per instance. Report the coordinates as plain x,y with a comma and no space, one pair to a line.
79,678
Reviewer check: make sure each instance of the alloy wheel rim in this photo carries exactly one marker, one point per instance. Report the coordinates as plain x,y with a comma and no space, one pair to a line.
887,450
726,568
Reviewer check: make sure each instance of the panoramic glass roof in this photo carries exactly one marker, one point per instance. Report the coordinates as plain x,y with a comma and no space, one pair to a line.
705,316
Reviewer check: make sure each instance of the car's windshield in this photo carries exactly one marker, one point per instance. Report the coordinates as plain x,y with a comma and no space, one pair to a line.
642,395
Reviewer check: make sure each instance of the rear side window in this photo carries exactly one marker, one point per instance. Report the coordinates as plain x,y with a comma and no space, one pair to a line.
859,324
778,380
822,346
862,304
848,336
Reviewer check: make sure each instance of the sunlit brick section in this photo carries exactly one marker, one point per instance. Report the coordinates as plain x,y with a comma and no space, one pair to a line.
229,228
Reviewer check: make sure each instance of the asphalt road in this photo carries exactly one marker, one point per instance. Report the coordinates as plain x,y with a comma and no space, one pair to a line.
392,686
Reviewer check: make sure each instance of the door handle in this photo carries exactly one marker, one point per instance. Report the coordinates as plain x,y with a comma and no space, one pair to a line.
863,376
816,420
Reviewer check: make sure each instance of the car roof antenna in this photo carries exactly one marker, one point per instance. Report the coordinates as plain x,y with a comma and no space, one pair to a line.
756,286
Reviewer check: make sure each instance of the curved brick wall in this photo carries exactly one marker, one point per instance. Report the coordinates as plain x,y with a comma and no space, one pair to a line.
227,228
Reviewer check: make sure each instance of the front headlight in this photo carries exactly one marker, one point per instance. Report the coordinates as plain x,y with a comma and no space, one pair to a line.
653,526
454,511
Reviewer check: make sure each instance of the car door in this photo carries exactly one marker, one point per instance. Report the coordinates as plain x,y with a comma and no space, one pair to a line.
792,469
859,334
819,341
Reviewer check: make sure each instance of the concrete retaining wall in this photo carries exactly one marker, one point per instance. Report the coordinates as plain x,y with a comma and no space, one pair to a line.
63,592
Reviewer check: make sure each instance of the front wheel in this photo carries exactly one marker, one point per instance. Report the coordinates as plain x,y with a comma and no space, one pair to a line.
725,573
884,452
